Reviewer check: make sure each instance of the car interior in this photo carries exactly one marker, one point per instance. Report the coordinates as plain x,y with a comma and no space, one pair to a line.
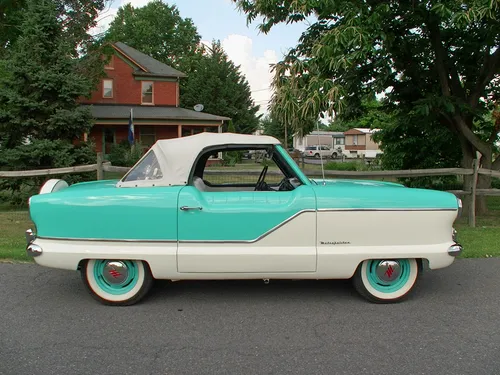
276,174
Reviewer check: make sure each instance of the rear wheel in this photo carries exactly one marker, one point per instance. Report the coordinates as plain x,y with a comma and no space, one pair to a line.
334,155
117,282
316,156
386,280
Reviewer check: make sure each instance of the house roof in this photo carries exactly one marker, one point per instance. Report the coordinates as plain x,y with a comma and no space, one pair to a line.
111,111
176,156
361,131
148,65
324,132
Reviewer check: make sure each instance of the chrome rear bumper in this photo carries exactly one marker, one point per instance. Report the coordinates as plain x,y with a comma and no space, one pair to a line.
32,250
455,250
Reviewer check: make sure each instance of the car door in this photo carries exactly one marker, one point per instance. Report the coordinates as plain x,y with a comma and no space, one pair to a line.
247,231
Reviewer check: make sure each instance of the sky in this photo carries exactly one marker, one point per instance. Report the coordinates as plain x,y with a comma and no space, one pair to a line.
244,44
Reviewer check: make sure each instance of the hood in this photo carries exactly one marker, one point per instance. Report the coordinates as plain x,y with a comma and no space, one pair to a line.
379,195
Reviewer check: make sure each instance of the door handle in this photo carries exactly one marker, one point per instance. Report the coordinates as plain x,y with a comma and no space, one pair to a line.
186,208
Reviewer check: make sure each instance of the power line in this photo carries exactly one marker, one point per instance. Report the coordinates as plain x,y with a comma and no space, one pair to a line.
267,88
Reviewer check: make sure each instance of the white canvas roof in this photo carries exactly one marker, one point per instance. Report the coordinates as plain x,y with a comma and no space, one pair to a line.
177,156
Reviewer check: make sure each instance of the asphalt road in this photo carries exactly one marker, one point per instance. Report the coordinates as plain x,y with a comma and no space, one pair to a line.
451,325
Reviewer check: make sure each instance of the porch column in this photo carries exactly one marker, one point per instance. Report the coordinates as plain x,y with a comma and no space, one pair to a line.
179,131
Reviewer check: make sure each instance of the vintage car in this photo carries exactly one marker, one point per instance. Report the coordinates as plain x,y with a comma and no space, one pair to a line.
171,217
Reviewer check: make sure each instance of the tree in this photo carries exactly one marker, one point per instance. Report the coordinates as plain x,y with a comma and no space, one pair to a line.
78,16
44,78
439,60
271,126
158,30
44,74
219,85
371,113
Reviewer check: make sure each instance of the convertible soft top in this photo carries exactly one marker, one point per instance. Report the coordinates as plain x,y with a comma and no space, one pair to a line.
177,156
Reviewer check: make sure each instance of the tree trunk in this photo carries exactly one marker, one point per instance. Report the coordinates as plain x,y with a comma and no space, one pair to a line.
483,182
467,159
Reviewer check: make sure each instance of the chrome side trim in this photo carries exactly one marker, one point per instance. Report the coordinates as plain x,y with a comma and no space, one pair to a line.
103,240
383,209
256,239
246,241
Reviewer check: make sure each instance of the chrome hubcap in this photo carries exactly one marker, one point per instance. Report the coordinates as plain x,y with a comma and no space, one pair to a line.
388,270
115,272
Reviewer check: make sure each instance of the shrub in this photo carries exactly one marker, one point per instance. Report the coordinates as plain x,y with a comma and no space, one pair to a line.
346,166
125,156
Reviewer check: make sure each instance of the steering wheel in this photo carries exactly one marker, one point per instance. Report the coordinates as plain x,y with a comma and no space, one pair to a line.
262,176
285,185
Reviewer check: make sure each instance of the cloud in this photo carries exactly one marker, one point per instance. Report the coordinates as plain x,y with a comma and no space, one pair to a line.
108,14
104,20
257,69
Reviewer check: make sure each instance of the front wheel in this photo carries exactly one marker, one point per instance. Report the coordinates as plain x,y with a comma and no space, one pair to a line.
386,280
117,282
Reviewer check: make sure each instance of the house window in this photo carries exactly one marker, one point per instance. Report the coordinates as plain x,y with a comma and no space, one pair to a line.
148,135
107,88
355,139
147,92
339,141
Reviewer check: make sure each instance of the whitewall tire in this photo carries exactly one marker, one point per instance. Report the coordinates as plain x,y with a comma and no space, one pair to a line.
386,280
116,282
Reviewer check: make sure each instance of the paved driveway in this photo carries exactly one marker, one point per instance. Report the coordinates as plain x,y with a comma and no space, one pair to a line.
49,325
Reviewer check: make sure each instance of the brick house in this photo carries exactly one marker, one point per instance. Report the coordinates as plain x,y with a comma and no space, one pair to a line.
137,82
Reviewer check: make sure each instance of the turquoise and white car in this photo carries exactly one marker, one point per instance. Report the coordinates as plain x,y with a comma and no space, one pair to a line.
170,218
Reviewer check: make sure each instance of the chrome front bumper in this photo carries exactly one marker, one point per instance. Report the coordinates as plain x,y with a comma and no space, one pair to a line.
31,249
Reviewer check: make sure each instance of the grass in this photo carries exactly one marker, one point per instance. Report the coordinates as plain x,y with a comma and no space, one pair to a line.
483,240
480,242
13,224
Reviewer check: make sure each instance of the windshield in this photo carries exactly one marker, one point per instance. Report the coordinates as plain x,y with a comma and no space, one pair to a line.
147,169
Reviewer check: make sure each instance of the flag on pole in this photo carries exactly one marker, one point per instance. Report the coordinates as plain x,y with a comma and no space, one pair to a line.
131,133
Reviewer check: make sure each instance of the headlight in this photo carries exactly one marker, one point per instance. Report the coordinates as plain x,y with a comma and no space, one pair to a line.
459,202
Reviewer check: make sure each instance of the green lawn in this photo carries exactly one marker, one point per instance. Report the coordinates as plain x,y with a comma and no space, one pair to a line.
13,224
482,241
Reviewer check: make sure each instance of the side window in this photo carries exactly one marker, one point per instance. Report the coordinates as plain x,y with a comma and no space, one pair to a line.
147,169
244,170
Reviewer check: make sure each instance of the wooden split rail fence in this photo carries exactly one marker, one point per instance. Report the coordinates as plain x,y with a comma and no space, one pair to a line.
100,167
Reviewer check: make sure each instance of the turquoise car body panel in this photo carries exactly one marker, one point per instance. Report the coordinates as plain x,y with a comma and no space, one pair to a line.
99,210
238,216
102,211
364,194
